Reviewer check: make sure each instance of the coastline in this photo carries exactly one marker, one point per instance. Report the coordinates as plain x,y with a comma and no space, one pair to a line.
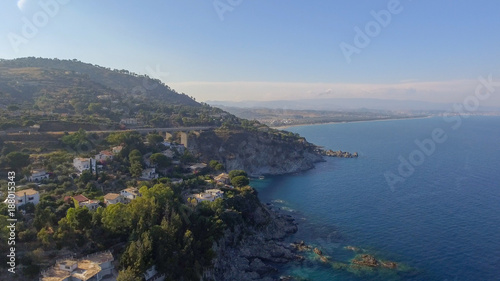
353,121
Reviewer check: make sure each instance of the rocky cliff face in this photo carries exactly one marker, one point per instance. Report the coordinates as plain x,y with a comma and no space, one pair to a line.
250,252
256,152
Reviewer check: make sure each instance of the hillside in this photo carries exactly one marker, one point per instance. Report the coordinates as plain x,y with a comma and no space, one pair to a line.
21,76
46,96
38,91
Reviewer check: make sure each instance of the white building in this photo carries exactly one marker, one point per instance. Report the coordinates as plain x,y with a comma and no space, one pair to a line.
83,164
222,178
149,174
129,121
38,175
198,166
180,148
23,197
93,267
169,153
208,195
117,149
112,198
152,275
92,205
130,193
176,181
104,155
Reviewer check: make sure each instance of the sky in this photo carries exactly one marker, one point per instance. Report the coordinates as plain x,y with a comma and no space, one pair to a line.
270,50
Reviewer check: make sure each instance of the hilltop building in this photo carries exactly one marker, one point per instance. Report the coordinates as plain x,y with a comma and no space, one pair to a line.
90,268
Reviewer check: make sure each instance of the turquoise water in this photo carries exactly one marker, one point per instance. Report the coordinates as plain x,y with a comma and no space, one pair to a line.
441,223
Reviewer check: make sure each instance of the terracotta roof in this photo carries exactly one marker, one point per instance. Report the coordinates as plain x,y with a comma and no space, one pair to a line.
80,198
106,152
111,196
28,192
131,190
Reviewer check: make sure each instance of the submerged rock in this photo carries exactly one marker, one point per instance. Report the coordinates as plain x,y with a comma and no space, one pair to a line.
352,248
339,153
371,261
365,260
318,252
301,246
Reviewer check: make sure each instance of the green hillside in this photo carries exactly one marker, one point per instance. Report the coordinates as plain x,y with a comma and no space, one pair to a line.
35,90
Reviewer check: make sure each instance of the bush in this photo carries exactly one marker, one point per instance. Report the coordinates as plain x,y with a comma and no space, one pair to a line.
240,181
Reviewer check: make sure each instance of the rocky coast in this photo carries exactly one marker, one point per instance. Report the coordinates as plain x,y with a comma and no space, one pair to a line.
253,252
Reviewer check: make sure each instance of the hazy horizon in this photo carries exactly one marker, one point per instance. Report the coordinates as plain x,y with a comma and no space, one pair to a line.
232,50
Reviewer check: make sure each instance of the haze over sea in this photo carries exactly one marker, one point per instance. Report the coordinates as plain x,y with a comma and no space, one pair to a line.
441,223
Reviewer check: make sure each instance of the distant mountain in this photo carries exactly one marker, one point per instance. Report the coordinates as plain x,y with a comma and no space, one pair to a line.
64,95
344,104
24,79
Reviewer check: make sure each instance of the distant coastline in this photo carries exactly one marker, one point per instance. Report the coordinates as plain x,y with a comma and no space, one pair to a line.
349,121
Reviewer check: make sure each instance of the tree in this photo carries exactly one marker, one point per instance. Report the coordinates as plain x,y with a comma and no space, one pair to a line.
77,140
213,163
219,167
85,177
45,237
154,139
135,159
128,275
115,218
159,159
136,169
236,173
95,107
17,160
135,155
13,107
240,181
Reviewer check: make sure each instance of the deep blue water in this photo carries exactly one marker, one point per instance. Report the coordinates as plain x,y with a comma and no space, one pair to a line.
441,223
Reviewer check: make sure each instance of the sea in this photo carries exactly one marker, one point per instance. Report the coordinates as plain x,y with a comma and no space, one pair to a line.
423,193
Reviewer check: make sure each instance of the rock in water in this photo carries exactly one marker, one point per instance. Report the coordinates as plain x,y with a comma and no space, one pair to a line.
365,260
318,252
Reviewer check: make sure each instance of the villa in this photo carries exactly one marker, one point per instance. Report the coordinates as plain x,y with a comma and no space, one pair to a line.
83,201
104,155
92,205
222,178
149,174
152,275
130,193
117,149
208,195
23,197
38,175
197,167
90,268
83,164
112,198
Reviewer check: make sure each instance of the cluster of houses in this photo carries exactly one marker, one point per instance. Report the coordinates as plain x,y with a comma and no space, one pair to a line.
30,195
95,267
214,193
126,195
209,195
83,201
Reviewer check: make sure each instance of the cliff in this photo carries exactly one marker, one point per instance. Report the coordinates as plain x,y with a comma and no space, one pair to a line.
253,248
257,152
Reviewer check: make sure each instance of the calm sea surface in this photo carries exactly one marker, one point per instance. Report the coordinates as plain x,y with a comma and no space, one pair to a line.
442,222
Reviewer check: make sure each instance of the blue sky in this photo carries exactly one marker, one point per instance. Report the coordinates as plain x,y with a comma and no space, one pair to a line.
429,50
